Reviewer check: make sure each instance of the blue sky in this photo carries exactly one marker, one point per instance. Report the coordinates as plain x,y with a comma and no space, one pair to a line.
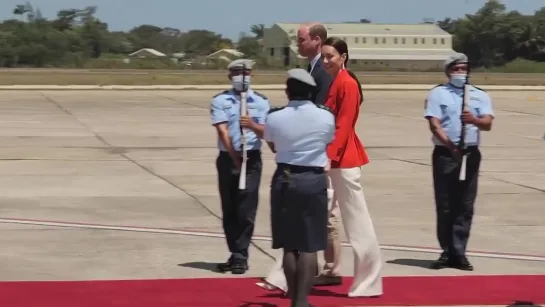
230,17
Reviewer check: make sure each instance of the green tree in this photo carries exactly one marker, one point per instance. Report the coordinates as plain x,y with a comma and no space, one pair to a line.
24,9
204,42
492,36
258,30
249,46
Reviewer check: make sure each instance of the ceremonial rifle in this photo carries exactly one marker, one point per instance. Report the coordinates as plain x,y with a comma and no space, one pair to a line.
243,111
462,145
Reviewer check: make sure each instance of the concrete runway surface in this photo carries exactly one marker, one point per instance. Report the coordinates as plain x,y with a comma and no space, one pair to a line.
122,185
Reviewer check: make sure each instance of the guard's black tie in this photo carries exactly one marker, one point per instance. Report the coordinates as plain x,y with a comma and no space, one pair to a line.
309,67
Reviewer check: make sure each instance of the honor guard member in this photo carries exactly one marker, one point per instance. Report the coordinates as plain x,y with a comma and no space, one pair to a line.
299,134
455,198
238,206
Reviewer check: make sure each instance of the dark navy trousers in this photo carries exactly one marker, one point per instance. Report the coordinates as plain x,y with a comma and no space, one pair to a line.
239,207
454,199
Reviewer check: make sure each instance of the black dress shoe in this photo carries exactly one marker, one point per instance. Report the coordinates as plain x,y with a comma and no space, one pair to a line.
327,280
442,262
239,267
461,264
524,303
225,266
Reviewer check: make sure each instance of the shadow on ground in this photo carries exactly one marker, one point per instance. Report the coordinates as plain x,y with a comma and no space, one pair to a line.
207,266
420,263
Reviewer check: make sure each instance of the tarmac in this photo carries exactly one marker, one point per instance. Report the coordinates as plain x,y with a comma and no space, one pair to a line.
122,185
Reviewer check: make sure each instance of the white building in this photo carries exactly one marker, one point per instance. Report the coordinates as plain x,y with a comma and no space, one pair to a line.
379,46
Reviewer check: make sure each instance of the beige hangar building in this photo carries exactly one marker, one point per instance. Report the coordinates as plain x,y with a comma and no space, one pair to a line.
371,46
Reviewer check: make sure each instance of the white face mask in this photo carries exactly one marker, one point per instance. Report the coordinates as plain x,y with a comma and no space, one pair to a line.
458,80
237,82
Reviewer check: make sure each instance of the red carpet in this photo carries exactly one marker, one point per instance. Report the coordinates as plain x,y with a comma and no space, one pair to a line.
225,292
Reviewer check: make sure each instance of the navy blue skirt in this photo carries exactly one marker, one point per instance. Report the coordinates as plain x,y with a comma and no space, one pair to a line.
299,210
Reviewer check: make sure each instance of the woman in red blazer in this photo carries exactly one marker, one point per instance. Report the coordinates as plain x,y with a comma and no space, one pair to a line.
347,156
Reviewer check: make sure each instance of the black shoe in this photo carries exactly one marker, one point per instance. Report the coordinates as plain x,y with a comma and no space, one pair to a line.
441,263
461,264
524,303
239,267
327,280
225,266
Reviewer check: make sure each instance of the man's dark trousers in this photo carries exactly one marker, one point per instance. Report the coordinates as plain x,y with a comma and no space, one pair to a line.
239,207
454,199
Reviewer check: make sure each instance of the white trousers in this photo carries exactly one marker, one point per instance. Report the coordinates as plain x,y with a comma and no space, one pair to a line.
358,226
276,275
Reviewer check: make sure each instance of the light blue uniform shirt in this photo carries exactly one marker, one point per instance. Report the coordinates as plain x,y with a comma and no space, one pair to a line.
445,103
300,133
225,108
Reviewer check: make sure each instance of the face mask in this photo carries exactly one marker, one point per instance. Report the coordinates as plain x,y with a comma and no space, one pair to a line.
237,82
458,80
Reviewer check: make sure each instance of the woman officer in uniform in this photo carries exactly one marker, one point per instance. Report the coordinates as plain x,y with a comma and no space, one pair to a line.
299,134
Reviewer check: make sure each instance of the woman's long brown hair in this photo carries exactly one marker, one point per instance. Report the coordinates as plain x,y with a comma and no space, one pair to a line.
341,47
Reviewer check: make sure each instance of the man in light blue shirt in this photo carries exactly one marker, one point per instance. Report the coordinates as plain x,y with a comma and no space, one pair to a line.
455,198
238,207
299,134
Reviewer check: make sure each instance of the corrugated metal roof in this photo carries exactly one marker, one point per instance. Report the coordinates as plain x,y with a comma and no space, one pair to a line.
149,50
361,29
399,54
230,51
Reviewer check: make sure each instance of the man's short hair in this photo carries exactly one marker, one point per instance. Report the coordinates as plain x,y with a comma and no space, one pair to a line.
317,30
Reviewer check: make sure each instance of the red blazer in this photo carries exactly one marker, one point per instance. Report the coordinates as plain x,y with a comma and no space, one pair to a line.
346,150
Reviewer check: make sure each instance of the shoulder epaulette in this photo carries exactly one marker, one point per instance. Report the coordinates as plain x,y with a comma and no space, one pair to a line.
323,107
224,92
272,110
261,95
480,89
438,85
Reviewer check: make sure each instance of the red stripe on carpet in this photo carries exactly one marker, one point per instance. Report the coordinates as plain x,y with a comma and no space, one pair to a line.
211,292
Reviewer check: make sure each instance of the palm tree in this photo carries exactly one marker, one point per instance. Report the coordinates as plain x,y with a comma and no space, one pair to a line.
258,30
28,10
20,9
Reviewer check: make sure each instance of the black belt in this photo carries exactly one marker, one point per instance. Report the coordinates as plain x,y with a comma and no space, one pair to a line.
298,169
465,150
249,152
